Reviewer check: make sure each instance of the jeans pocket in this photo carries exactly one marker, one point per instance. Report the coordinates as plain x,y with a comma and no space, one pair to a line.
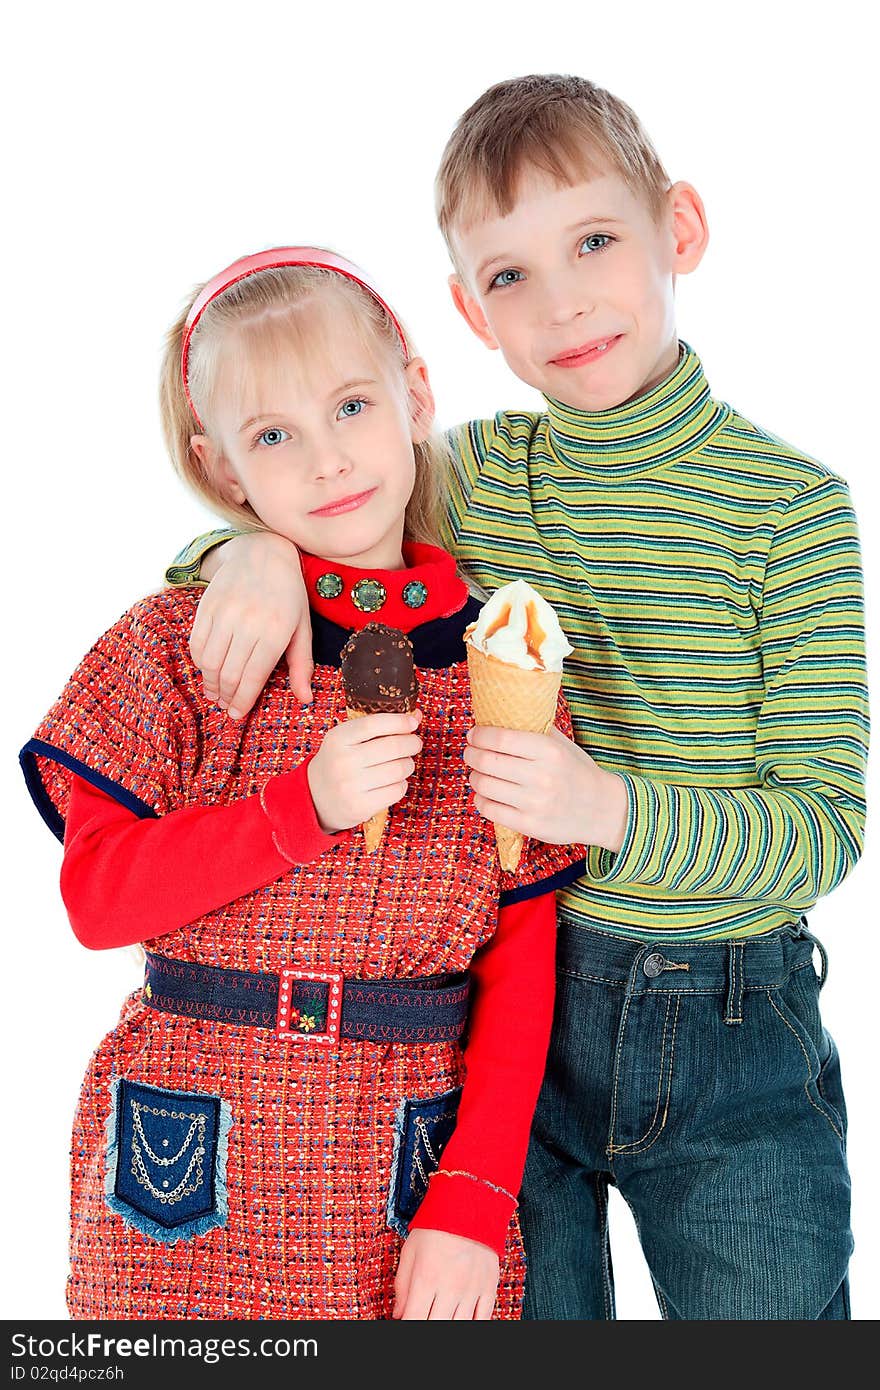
165,1171
422,1129
828,1082
796,1003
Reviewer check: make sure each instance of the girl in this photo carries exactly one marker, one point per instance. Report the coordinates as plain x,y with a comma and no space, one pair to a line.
265,1125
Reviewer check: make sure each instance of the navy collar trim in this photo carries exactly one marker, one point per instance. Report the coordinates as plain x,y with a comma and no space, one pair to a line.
436,644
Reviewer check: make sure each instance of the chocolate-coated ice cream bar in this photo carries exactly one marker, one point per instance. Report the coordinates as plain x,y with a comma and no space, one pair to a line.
378,673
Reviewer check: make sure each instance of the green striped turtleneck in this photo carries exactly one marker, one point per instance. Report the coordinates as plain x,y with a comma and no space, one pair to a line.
708,577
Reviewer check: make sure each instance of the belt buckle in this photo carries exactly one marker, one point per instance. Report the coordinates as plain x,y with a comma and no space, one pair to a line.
300,1024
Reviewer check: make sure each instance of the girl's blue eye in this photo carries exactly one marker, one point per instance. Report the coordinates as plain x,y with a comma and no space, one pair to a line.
596,241
272,436
349,408
505,277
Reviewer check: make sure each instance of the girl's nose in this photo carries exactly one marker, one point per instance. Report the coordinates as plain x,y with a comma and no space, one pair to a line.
330,462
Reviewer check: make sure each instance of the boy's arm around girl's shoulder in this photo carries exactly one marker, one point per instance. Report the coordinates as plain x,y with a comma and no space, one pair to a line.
186,567
794,835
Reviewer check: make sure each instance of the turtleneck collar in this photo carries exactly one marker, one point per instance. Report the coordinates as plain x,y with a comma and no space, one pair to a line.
672,419
350,596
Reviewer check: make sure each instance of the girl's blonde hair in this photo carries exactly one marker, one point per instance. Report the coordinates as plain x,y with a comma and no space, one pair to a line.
261,318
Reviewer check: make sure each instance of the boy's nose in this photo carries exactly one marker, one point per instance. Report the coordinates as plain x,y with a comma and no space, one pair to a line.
563,309
565,300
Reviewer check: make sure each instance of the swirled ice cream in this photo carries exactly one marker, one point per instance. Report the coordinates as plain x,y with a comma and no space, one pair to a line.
516,625
515,651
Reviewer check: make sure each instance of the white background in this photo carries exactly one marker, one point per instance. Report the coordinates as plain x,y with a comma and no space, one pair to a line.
147,148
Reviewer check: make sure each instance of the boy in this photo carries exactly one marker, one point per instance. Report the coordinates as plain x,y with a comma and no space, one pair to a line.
708,575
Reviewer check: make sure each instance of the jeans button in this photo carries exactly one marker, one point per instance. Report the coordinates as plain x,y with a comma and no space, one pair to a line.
652,965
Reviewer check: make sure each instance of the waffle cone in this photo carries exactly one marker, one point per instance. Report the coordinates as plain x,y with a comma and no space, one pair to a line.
373,827
508,697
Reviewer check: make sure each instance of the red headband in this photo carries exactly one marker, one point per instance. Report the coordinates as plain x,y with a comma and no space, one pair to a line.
270,260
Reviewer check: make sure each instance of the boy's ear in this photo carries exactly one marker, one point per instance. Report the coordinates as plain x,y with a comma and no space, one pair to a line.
690,229
216,469
470,310
421,399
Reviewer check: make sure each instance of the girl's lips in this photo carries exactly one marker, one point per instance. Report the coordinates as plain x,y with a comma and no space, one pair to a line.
590,352
345,504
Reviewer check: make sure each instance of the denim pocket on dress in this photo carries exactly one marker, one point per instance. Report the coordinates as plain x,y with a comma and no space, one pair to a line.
166,1160
422,1129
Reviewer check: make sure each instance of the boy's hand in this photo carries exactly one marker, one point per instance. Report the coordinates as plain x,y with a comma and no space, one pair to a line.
254,609
445,1277
362,767
545,787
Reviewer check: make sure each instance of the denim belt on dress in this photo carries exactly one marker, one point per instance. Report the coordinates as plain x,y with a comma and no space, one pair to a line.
316,1006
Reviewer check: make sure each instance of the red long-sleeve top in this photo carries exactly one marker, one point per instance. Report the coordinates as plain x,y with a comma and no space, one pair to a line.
125,879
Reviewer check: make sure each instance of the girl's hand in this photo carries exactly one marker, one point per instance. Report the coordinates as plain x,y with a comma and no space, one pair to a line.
254,609
362,767
445,1277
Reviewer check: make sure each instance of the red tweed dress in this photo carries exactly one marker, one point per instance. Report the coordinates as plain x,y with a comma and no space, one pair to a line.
301,1147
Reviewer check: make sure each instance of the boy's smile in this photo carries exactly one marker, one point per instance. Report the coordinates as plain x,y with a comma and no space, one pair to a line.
587,352
576,285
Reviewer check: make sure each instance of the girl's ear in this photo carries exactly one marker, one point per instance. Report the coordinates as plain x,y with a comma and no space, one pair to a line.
421,399
217,469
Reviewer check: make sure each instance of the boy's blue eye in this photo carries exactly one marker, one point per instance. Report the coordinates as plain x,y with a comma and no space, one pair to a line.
349,408
505,277
272,436
596,241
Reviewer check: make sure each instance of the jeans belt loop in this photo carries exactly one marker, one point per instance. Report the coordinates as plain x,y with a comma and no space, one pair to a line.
823,954
733,1012
824,958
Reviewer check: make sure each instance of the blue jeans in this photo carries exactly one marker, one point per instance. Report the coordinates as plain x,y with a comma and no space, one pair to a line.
697,1079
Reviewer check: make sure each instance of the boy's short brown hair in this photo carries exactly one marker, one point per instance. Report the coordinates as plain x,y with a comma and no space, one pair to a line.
566,127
